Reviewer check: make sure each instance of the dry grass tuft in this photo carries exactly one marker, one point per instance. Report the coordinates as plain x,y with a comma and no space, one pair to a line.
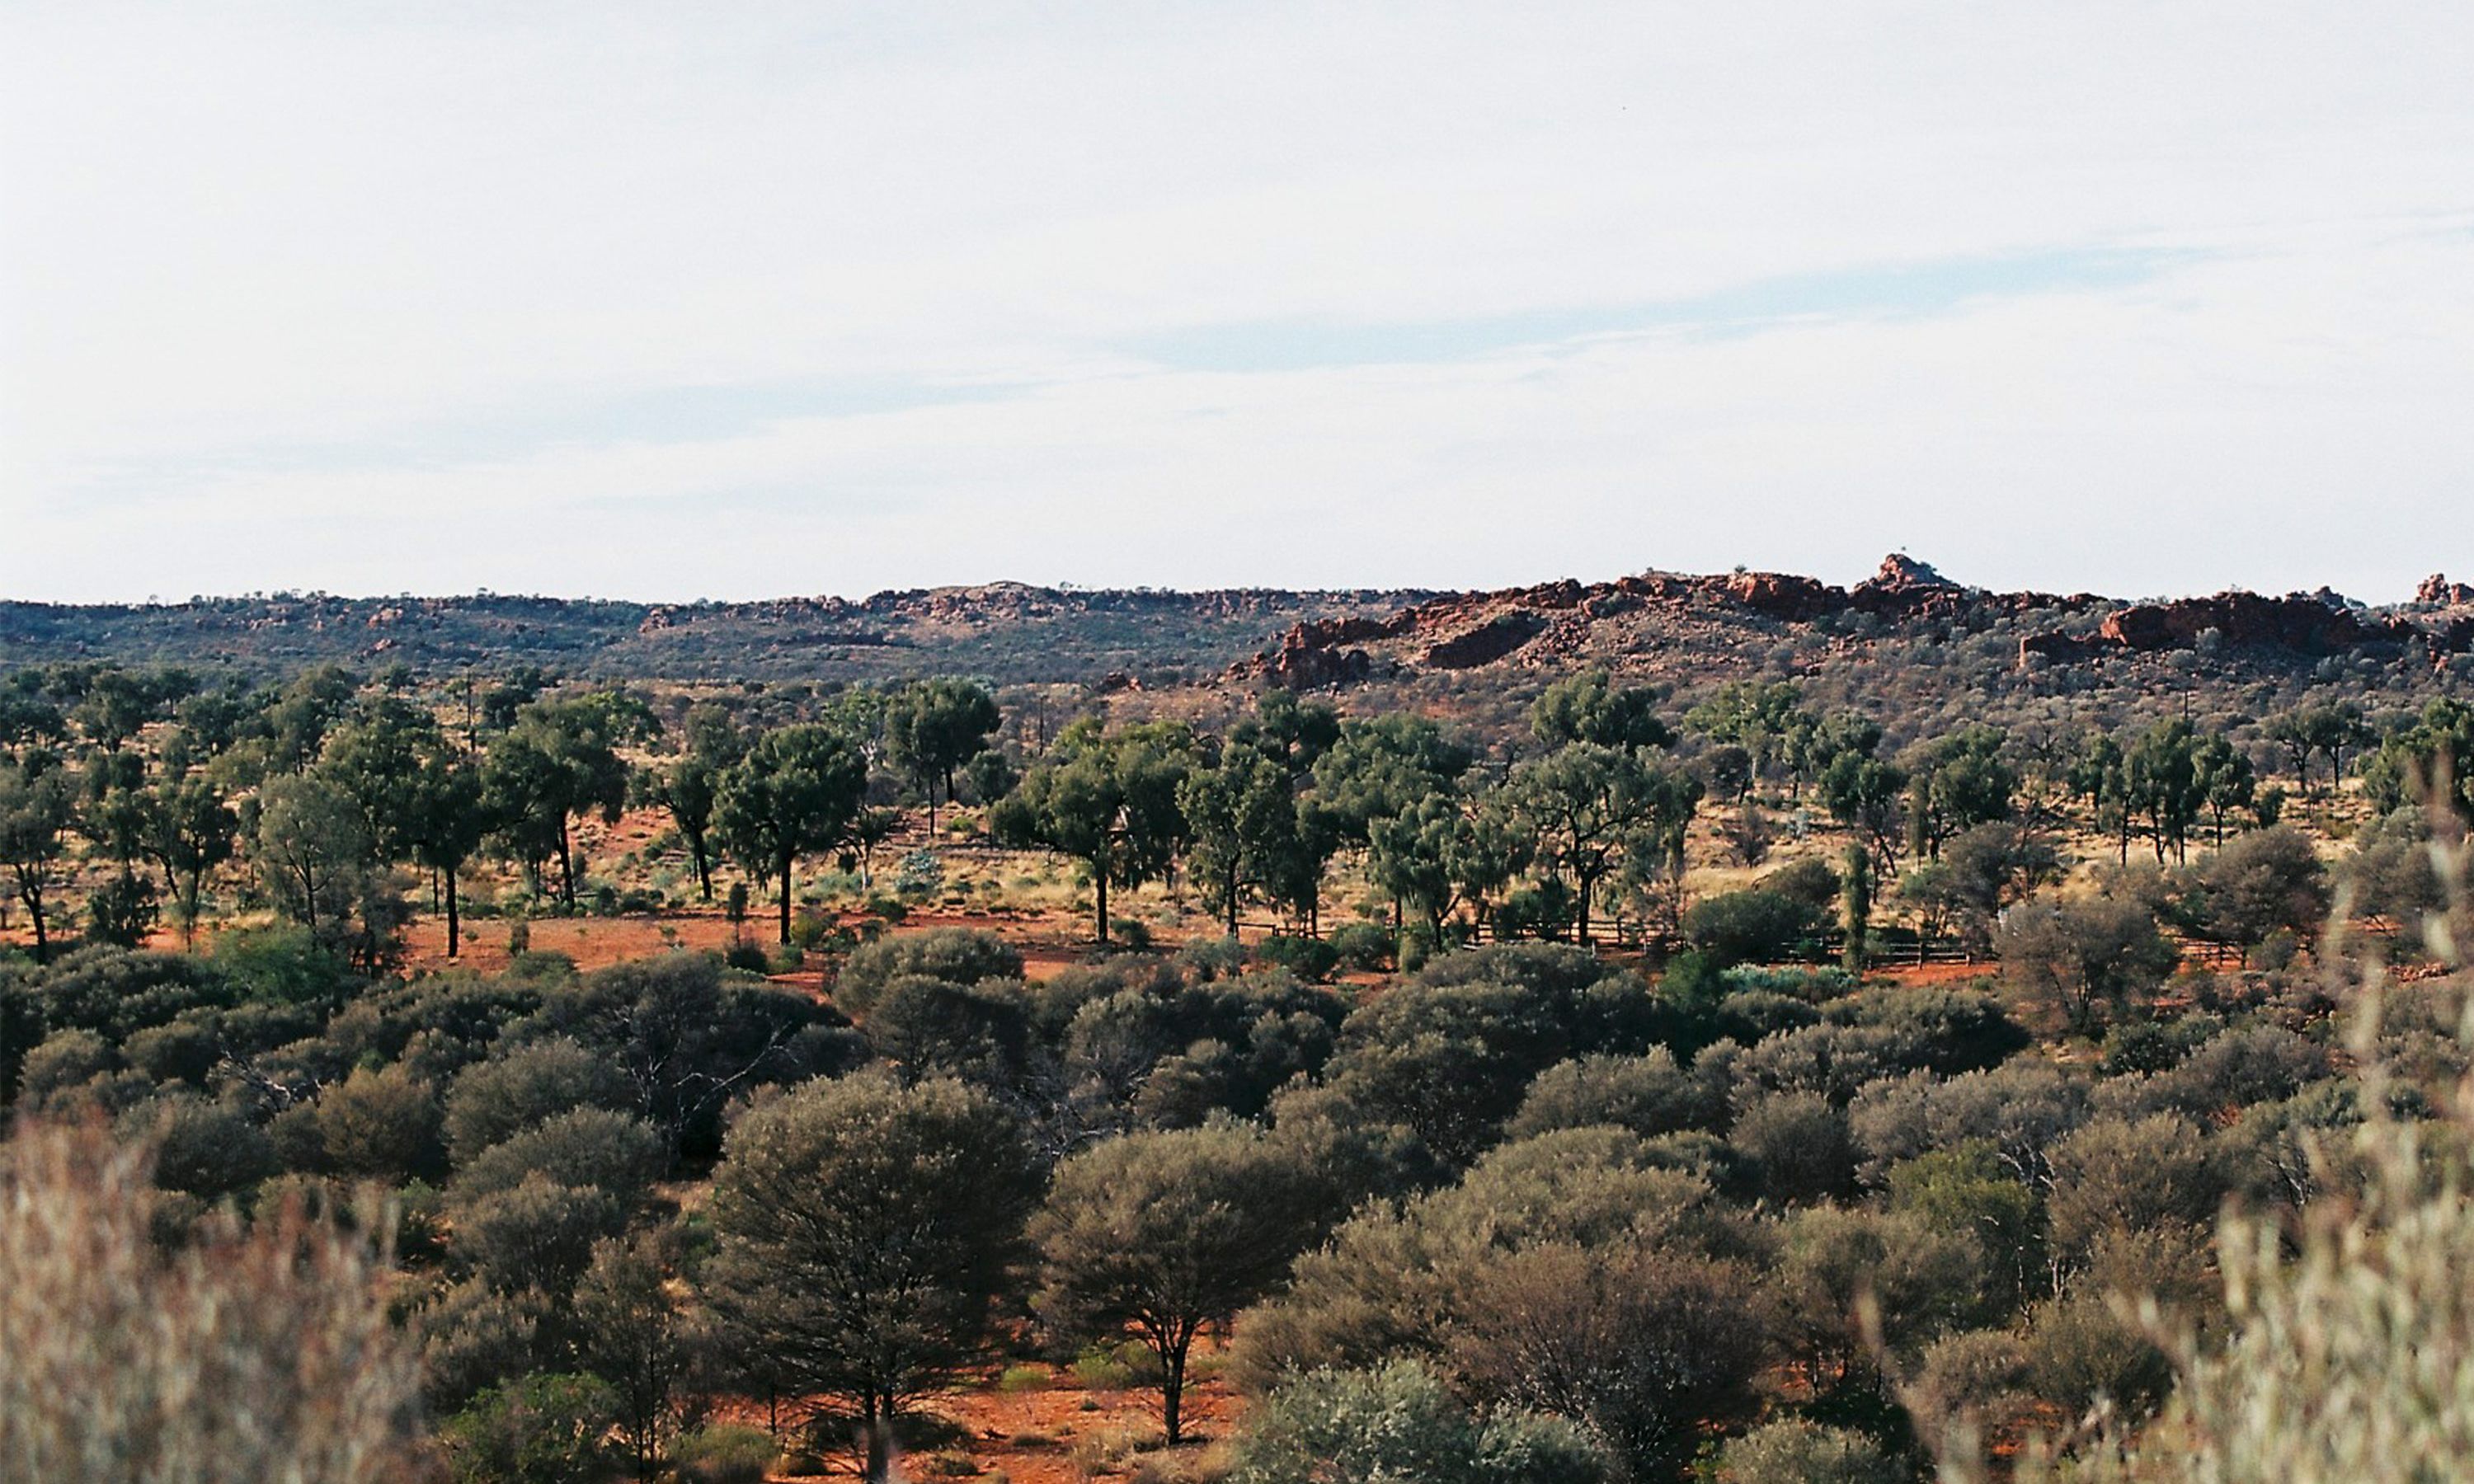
257,1355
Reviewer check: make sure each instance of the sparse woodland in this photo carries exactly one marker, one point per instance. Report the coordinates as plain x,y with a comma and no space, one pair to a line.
1813,1067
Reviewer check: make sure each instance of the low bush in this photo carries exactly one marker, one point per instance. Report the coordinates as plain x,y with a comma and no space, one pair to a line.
1308,958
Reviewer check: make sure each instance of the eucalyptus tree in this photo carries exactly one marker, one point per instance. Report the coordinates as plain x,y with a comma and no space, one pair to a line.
37,807
1594,808
1591,708
560,761
933,728
795,793
1166,1233
190,830
1108,799
690,786
1759,716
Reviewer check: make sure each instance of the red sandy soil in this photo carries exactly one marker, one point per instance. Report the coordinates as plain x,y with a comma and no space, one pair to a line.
598,943
1060,1434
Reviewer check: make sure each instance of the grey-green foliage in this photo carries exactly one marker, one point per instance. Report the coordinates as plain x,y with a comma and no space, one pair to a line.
866,1229
1400,1424
1800,1143
1392,1278
495,1099
1649,1094
1164,1233
956,955
1565,1273
583,1147
529,1210
1793,1450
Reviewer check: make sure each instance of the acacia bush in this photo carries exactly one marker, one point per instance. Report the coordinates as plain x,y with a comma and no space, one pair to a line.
1398,1424
1793,1450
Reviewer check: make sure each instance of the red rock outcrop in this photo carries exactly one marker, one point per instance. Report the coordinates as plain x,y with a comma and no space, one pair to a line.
1488,642
2308,624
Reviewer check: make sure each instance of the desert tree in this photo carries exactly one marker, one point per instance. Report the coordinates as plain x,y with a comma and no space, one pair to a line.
1593,807
37,807
422,798
689,785
189,831
1241,813
1589,709
933,728
1109,800
635,1334
864,1230
2429,761
2082,956
1440,853
795,793
294,726
1956,781
1759,716
310,843
2227,780
1865,794
558,762
1383,766
2165,784
1167,1233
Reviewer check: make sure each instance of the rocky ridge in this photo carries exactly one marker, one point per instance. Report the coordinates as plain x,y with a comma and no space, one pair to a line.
1557,624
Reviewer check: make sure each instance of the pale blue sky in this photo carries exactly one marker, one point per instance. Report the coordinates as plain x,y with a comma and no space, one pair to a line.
633,299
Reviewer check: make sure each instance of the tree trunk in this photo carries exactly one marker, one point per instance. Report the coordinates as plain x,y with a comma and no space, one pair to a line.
878,1427
565,865
454,923
1172,1390
1588,885
786,899
1099,883
33,901
703,866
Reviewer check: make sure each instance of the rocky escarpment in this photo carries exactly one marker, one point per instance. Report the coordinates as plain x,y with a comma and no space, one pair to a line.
1559,624
2313,625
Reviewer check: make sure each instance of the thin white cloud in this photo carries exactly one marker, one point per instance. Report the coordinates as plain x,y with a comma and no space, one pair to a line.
231,234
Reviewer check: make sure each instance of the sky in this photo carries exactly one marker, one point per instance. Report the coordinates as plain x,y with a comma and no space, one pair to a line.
669,302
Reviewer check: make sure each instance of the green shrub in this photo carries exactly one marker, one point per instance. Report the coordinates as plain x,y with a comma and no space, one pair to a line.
725,1453
1795,1451
1816,984
1401,1423
1362,947
1308,958
543,1430
1099,1369
1753,926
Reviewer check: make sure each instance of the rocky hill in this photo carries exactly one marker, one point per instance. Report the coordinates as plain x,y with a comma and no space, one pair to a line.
1008,632
1906,638
1907,642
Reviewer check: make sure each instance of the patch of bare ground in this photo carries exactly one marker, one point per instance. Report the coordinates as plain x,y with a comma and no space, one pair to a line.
1056,1430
